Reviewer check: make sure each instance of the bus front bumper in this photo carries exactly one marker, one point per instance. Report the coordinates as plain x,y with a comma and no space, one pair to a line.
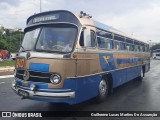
26,93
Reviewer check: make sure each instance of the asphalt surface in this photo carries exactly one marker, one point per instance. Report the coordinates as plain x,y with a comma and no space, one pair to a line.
6,73
132,96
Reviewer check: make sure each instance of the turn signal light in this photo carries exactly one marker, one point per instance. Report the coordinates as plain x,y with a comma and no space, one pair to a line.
75,55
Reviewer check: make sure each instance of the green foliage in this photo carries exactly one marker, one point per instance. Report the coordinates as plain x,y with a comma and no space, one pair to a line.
3,44
7,63
11,40
157,46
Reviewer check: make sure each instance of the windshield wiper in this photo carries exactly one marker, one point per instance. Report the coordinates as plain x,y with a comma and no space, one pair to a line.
22,47
24,50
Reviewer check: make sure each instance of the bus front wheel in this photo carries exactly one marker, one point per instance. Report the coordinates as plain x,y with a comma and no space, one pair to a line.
103,90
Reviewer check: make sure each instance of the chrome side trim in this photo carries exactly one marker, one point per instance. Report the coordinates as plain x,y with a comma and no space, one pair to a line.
97,51
35,71
46,90
47,55
38,76
85,59
66,58
56,95
104,72
51,56
40,54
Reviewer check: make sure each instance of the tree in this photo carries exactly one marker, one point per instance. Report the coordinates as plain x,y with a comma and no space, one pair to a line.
3,42
10,40
157,46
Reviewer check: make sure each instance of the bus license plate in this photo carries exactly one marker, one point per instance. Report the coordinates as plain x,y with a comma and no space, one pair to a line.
23,93
20,63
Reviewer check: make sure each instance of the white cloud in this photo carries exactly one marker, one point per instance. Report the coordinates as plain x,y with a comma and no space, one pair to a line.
141,23
141,18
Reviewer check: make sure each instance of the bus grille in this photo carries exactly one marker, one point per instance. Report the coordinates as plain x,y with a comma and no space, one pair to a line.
35,76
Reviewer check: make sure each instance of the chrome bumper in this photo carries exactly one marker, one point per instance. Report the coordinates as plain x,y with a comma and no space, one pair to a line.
47,95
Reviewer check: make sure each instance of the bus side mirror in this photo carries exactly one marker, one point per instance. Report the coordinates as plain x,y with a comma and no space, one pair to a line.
87,37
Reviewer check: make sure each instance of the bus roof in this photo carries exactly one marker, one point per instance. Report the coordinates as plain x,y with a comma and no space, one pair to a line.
116,31
71,17
108,28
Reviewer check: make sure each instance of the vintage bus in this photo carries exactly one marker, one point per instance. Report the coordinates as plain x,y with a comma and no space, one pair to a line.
156,54
70,58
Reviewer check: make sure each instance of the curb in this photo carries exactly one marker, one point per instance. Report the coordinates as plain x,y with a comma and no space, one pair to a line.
7,69
6,76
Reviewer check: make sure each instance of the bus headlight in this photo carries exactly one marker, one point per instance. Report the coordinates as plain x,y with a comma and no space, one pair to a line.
14,83
33,87
55,79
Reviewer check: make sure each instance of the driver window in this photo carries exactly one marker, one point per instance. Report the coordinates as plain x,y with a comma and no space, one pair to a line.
90,43
81,42
93,39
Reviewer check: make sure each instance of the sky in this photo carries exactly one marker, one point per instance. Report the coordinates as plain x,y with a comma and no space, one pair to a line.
141,18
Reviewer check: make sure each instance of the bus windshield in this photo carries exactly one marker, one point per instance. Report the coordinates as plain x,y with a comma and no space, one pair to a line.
50,39
30,39
60,39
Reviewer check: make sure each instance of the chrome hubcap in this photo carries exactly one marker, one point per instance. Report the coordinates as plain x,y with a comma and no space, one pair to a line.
141,72
102,87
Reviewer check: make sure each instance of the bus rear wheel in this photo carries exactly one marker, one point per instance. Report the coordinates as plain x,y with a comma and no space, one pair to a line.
103,90
142,74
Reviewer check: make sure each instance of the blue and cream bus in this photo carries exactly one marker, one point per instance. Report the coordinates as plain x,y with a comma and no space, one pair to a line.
70,58
156,54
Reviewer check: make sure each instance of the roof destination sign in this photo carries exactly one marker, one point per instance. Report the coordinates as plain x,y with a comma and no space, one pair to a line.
60,16
45,18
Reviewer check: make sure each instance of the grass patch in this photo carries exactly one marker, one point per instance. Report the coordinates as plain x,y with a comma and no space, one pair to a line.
7,63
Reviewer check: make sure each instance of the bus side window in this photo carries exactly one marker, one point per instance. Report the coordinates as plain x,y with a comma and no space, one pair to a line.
143,48
93,39
127,47
111,44
81,42
139,48
108,44
147,48
122,45
116,45
103,43
132,48
136,48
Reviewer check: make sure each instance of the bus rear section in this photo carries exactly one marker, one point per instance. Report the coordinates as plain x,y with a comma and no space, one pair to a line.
156,54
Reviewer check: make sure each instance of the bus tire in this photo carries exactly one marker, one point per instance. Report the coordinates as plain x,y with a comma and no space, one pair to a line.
142,73
103,90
